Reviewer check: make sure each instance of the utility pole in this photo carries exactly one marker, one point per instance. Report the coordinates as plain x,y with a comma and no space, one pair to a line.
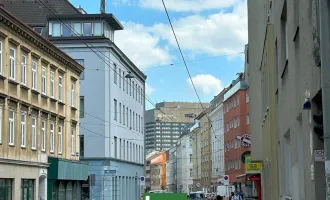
325,84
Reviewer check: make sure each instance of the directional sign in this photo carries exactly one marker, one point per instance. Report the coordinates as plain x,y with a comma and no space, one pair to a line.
245,140
110,171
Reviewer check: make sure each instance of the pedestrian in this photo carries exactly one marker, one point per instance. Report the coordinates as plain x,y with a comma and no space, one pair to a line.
219,197
236,196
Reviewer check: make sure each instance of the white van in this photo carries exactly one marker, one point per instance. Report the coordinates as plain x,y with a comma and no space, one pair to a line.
225,191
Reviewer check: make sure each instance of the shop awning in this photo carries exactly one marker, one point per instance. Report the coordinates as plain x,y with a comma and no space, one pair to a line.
67,169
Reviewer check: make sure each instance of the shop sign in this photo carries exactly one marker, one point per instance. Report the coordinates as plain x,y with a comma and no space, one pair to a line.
252,168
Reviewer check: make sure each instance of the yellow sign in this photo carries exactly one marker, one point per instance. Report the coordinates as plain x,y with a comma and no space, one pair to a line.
252,168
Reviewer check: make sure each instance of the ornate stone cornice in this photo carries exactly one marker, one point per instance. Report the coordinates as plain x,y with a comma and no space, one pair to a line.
25,32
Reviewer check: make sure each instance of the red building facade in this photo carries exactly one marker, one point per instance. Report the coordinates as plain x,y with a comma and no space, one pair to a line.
236,125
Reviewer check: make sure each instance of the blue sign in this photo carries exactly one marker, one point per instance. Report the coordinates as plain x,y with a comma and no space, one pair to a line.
110,171
142,178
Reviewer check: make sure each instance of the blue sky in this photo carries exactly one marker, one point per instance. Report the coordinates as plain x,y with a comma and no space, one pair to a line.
207,30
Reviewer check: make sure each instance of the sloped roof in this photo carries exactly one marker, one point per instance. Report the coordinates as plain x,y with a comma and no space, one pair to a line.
35,12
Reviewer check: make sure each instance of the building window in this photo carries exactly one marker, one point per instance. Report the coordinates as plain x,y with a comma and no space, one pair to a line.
82,146
87,29
0,124
247,98
43,135
82,63
6,188
127,116
130,118
136,92
66,29
247,119
190,157
97,29
60,88
77,29
136,121
133,120
126,85
191,172
34,74
123,81
119,78
43,79
34,133
52,84
12,64
130,87
73,132
38,29
115,109
23,70
23,129
120,112
56,29
60,140
51,137
123,114
133,89
115,73
115,147
82,107
1,57
73,85
27,189
11,127
142,96
139,123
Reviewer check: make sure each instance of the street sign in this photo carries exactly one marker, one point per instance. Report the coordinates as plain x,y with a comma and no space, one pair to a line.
245,140
198,184
142,180
226,180
110,171
319,156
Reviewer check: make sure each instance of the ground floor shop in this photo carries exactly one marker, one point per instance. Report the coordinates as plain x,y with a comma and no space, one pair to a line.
23,180
113,180
65,178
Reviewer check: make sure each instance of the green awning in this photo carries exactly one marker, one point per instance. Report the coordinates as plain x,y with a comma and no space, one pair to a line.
67,169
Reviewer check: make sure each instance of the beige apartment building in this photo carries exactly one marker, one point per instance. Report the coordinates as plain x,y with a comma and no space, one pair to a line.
39,116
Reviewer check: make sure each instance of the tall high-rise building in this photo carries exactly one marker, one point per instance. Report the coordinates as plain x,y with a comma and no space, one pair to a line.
164,124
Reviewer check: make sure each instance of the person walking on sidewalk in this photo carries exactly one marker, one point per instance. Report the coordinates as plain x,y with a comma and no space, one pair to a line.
236,196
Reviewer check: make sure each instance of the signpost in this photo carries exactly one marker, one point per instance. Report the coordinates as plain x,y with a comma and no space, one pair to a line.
142,181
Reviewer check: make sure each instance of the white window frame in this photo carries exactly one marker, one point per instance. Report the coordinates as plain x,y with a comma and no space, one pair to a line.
43,135
34,75
119,73
1,110
60,139
11,128
119,112
51,137
73,85
115,73
34,133
23,129
23,68
115,109
73,132
1,58
52,84
60,88
43,80
12,64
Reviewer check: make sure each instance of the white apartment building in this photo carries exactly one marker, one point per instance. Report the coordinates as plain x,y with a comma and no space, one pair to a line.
216,116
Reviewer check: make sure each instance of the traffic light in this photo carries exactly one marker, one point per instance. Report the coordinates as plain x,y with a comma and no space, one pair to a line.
318,125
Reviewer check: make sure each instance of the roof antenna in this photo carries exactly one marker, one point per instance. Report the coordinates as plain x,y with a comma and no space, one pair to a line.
102,6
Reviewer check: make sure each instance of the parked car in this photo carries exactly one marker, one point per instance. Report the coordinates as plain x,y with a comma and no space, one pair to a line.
196,196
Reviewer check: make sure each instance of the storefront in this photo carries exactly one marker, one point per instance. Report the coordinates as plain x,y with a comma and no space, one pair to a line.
65,179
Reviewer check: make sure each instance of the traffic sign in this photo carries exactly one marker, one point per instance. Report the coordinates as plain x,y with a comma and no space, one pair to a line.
142,180
319,156
198,184
245,140
226,180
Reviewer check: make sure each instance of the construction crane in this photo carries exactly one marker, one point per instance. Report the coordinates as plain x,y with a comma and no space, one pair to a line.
102,6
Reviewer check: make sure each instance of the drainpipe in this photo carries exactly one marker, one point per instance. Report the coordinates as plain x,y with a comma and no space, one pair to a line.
325,84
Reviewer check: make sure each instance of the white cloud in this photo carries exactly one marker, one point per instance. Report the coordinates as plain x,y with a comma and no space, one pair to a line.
187,5
141,46
207,84
149,89
220,33
217,34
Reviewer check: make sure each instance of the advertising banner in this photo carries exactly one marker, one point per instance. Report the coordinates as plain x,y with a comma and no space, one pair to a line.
252,168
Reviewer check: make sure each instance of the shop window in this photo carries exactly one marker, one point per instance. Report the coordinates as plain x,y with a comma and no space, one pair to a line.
6,189
27,189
